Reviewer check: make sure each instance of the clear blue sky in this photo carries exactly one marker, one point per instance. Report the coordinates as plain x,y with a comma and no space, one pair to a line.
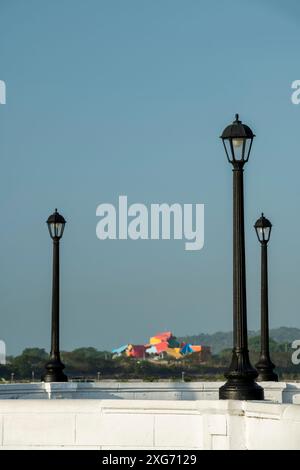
129,97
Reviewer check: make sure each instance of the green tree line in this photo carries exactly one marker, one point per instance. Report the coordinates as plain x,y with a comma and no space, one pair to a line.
91,364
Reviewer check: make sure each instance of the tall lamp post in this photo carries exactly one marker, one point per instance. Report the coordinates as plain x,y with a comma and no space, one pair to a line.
237,139
265,366
54,367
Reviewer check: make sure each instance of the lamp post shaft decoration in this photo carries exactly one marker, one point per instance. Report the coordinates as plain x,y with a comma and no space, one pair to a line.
54,367
237,139
265,366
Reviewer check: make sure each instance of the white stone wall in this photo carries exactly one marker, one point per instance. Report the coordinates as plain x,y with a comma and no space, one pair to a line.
280,392
148,424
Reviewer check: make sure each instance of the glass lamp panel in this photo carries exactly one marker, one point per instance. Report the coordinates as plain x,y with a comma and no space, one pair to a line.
228,150
260,233
238,148
62,229
267,232
51,230
58,229
247,148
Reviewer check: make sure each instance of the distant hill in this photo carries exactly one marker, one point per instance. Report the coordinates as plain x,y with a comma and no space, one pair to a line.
223,340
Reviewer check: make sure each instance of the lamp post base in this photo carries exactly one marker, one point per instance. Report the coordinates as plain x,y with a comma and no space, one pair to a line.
241,389
265,371
265,376
54,372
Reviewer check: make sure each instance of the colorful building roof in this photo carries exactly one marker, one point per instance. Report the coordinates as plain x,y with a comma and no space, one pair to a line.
161,342
174,352
120,350
159,337
136,350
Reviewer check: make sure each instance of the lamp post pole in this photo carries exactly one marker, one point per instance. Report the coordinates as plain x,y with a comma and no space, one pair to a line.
54,367
237,139
264,366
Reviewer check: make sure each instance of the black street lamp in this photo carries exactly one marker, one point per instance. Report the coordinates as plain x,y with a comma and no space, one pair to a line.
54,367
237,139
265,366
